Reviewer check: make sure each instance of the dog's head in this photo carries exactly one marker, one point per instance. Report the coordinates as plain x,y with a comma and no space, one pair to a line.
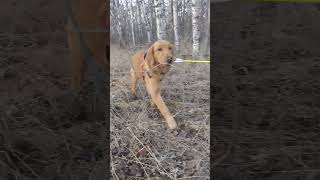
161,52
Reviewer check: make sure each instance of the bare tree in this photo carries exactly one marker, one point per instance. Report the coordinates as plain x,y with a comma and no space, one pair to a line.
146,18
160,18
176,25
206,41
195,27
169,20
119,24
139,16
132,26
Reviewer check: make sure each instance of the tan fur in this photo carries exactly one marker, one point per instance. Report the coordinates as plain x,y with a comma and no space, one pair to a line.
149,72
90,15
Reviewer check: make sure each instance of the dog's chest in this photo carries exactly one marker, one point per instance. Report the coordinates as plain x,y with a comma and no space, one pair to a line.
164,69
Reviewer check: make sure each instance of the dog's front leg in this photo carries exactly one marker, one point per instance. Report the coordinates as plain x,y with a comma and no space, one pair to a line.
153,89
78,62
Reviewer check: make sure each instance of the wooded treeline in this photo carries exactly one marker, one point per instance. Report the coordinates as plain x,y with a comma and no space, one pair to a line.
183,22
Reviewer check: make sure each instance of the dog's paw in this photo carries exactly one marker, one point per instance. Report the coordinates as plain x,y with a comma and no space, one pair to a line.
171,123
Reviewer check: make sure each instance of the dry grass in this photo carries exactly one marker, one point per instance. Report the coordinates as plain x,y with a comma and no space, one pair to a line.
43,133
141,145
266,92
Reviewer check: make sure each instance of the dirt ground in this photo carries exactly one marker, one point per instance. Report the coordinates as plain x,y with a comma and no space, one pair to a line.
266,84
43,133
141,145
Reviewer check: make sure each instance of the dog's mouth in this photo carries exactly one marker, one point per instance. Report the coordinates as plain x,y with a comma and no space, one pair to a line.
165,65
168,62
162,64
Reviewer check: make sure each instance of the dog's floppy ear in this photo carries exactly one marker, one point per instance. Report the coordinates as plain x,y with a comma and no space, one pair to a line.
149,61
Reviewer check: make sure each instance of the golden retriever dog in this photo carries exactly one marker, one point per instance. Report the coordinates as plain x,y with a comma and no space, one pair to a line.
148,67
92,17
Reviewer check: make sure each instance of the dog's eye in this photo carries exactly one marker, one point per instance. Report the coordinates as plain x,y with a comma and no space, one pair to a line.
160,49
169,48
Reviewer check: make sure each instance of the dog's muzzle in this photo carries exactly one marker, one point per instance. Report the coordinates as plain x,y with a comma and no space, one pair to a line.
170,60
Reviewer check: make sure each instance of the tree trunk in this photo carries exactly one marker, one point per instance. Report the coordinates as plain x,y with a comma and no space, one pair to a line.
170,20
132,26
176,25
146,17
139,21
160,18
195,27
119,25
206,43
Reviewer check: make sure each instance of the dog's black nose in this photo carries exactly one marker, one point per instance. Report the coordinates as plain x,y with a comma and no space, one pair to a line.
170,60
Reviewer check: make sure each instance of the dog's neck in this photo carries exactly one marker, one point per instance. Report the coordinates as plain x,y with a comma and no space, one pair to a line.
158,69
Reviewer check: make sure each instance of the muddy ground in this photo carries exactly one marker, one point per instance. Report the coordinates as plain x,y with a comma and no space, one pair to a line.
44,133
266,85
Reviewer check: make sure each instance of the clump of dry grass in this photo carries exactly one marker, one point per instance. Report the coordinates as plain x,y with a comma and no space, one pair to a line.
141,145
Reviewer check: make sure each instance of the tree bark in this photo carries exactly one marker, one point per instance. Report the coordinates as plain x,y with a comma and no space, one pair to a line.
176,25
195,27
169,23
206,43
132,26
146,17
160,19
119,25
